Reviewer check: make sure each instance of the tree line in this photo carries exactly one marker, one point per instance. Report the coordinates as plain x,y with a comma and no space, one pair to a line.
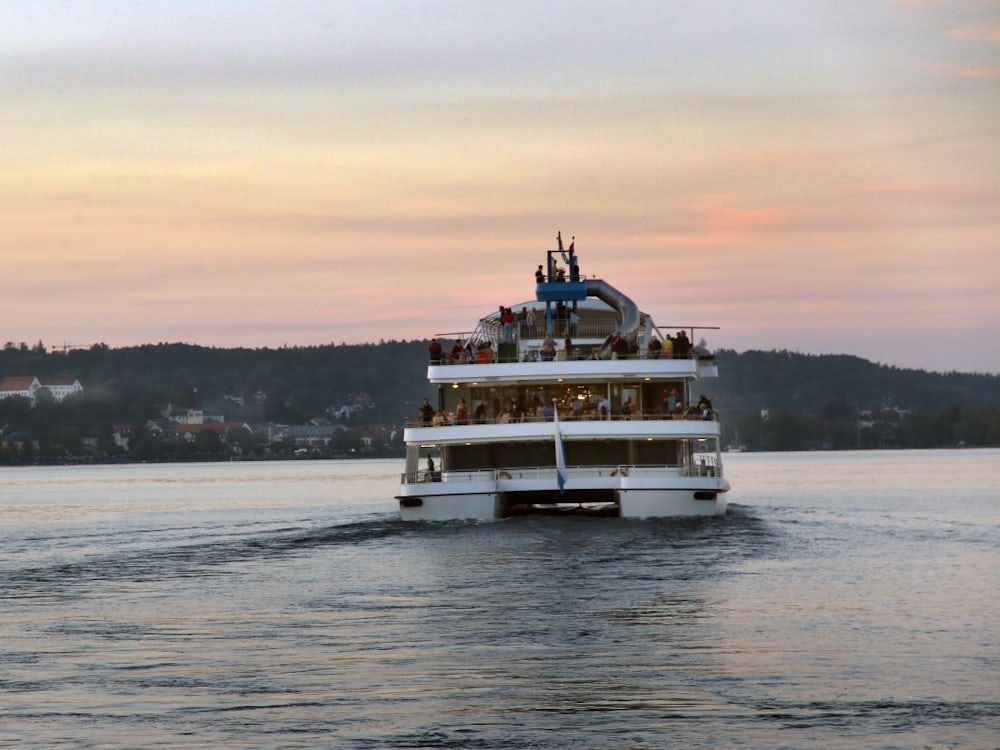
775,400
781,400
838,427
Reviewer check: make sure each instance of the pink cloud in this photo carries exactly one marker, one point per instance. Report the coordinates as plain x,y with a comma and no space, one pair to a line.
898,188
957,69
718,220
986,72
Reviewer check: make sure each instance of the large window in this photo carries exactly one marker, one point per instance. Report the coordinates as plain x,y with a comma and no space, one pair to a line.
636,400
541,453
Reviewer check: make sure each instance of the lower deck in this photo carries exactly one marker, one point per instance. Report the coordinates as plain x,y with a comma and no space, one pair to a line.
634,491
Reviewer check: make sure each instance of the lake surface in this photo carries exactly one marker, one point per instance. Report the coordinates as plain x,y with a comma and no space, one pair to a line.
847,600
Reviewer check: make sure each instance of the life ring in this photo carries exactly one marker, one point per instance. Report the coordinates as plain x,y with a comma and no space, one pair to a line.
503,475
623,471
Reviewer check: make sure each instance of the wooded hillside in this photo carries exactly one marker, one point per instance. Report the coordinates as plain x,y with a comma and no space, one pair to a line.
809,400
305,381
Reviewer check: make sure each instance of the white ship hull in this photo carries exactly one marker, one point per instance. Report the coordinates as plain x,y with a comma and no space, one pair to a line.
631,499
620,491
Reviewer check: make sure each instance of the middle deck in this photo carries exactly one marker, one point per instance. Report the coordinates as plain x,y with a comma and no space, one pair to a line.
569,370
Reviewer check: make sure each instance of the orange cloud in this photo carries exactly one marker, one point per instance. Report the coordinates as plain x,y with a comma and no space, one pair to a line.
987,72
978,33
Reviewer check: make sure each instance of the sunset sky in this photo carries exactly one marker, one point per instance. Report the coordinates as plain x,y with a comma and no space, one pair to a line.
821,176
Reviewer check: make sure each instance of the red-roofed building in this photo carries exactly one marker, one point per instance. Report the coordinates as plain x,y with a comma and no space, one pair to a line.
28,386
20,385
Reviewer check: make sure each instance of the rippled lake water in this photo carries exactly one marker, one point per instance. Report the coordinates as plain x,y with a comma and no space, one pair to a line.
847,600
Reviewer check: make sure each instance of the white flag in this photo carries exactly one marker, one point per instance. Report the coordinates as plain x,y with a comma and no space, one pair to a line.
560,453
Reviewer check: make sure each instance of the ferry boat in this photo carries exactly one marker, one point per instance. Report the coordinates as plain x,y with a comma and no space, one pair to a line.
573,402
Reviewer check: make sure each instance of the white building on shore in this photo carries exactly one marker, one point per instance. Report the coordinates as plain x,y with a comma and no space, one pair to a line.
29,386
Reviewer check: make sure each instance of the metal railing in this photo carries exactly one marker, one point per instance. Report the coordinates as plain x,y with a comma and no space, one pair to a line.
526,339
533,353
706,465
567,416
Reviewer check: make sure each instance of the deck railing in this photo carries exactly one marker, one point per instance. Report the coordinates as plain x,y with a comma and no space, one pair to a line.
590,339
705,466
506,418
525,352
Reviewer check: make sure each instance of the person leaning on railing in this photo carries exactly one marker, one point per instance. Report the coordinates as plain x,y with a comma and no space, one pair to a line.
668,348
426,413
705,407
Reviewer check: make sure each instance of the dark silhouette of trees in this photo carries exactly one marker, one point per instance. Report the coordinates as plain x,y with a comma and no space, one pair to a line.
828,402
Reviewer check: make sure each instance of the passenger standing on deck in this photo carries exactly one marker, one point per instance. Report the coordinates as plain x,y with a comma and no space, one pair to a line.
480,414
426,413
506,331
705,407
627,408
434,351
682,346
548,350
461,412
654,347
510,324
539,276
560,314
620,347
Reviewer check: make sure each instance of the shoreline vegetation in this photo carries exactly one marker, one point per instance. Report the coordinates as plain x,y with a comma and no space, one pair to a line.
41,461
180,402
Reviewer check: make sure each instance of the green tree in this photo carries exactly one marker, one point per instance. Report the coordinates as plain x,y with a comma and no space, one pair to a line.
838,424
784,431
243,441
972,427
346,442
208,444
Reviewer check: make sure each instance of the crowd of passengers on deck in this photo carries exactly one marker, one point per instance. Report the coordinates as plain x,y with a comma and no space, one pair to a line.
616,346
671,407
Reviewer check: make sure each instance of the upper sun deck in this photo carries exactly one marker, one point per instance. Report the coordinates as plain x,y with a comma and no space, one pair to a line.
576,329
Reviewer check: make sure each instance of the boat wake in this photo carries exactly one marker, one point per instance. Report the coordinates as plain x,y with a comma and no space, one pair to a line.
156,561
